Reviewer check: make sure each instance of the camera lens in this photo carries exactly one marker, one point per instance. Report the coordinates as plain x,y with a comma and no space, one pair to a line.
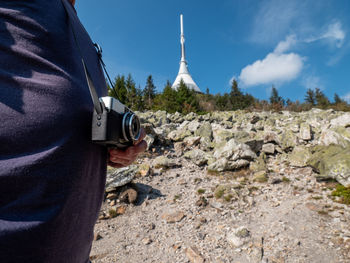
131,127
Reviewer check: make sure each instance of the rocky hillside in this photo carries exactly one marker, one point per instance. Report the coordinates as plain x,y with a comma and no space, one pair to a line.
232,187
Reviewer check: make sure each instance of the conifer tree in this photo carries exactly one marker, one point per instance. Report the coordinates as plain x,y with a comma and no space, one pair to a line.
321,99
310,97
131,92
275,98
236,96
337,99
168,99
149,92
186,98
119,90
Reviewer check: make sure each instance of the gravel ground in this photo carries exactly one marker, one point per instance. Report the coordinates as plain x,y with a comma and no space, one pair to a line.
185,214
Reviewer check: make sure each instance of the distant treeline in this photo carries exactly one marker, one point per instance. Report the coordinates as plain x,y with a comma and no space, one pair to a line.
185,100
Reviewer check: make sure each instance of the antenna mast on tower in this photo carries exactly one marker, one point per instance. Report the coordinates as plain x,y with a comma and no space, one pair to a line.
183,71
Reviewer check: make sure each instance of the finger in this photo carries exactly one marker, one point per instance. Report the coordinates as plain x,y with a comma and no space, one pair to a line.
141,147
121,161
130,154
115,165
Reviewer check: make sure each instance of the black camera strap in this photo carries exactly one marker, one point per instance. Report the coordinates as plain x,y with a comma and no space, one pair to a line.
97,104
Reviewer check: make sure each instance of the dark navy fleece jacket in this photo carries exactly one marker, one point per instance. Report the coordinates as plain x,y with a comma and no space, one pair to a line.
51,176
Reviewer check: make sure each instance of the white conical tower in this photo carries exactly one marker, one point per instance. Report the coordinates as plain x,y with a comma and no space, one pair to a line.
183,71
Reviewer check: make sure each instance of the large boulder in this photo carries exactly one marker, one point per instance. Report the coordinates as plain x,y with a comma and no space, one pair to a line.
206,133
232,156
332,162
299,156
287,140
305,132
222,136
331,137
342,120
198,156
234,150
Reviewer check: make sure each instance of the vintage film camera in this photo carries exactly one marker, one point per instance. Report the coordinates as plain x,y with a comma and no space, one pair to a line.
116,126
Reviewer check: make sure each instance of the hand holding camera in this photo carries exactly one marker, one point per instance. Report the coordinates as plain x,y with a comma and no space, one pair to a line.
120,158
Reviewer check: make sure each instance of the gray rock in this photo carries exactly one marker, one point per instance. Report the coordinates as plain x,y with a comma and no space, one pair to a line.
287,140
197,156
219,165
234,151
150,140
193,125
239,236
120,177
330,137
164,162
332,162
305,132
343,120
268,148
299,156
205,131
222,136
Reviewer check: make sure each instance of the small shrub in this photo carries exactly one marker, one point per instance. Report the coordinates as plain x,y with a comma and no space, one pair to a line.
112,213
213,172
285,179
219,192
228,197
342,192
201,191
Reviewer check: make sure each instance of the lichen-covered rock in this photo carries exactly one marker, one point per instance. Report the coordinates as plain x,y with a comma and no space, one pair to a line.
119,177
197,156
287,140
176,117
193,125
299,156
179,135
192,140
234,150
164,162
239,236
330,137
204,131
191,116
305,132
219,165
222,136
342,121
268,148
332,162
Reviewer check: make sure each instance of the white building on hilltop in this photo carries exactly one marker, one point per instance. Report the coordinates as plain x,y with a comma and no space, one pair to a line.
183,71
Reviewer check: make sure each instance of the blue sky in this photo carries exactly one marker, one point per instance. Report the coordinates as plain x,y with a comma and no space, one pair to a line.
293,45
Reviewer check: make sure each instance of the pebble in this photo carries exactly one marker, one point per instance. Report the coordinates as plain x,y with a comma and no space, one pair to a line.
193,255
173,217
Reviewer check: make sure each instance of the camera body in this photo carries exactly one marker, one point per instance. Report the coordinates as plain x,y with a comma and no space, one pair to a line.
117,126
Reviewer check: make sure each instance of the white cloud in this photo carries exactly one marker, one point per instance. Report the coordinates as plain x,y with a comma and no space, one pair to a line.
275,67
346,97
334,33
285,45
